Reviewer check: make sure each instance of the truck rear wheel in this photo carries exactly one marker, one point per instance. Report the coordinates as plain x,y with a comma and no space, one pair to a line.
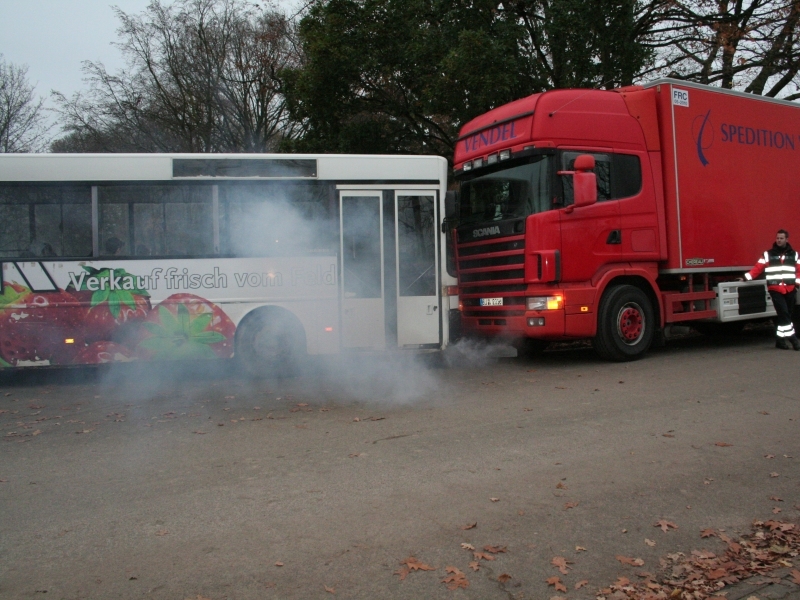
270,342
625,325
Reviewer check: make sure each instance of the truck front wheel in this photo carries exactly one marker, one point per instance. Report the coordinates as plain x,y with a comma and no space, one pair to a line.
625,325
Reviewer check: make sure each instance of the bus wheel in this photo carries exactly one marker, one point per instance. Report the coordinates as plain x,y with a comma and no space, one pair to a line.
626,324
270,342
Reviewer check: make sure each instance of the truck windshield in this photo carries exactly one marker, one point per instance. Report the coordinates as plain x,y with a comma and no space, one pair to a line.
513,192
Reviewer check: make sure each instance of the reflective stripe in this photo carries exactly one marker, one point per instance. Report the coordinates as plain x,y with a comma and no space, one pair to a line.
748,277
785,334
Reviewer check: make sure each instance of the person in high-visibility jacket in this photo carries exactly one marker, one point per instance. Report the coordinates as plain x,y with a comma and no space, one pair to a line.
781,267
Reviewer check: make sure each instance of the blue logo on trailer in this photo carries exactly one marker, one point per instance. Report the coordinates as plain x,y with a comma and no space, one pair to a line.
703,133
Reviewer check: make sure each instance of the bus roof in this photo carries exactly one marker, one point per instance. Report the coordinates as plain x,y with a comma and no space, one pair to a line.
216,167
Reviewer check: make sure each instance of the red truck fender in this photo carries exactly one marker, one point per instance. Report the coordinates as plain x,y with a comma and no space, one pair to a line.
642,275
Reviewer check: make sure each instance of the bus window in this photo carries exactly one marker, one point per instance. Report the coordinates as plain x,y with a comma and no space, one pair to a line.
416,239
156,220
276,219
40,221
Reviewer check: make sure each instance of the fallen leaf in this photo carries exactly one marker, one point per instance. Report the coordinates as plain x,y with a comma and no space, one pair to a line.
581,583
503,577
776,510
580,549
414,565
795,576
474,565
279,564
403,572
561,563
470,526
650,543
775,499
722,444
494,549
161,532
330,590
665,525
482,556
707,533
669,435
556,583
769,456
356,420
568,505
560,486
774,474
521,513
494,499
456,580
635,562
356,455
716,574
467,546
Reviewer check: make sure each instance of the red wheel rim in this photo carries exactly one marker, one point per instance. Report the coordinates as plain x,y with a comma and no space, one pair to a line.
630,323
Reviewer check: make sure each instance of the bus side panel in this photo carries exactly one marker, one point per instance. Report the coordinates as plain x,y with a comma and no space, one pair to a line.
89,312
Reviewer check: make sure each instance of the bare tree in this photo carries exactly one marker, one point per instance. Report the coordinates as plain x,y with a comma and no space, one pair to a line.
22,120
749,45
201,76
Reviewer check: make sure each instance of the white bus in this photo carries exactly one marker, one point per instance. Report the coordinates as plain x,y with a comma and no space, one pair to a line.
265,258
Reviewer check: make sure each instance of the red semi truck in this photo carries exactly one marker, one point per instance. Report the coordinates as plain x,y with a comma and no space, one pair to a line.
612,215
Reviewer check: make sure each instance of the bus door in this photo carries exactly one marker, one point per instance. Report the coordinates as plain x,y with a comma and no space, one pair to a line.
363,318
417,277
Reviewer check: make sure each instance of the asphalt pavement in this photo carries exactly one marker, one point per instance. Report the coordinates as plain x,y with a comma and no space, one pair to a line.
380,478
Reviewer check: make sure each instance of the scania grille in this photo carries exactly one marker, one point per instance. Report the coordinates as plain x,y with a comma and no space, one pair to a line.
492,272
491,262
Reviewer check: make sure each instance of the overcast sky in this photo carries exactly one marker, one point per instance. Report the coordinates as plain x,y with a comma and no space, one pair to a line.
53,37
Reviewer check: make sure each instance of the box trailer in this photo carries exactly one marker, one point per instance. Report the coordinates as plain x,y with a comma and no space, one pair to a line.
691,184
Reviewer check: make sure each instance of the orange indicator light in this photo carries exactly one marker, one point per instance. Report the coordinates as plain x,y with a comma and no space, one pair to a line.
69,341
584,309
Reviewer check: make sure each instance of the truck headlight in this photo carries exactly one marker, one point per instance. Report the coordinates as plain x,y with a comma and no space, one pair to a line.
545,302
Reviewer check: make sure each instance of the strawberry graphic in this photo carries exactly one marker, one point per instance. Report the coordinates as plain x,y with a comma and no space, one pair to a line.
109,310
103,352
35,325
185,326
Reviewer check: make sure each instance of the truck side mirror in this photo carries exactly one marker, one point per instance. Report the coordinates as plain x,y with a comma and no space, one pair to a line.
451,204
584,181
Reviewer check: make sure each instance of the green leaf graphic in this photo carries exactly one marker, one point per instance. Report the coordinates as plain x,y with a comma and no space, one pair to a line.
99,297
11,296
200,323
113,306
181,336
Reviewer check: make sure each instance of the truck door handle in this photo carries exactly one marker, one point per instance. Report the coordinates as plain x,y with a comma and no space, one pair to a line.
615,237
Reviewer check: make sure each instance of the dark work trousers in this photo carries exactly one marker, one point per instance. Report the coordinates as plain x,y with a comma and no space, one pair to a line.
784,306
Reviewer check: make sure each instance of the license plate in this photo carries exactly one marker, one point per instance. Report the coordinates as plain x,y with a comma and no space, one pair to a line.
491,302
